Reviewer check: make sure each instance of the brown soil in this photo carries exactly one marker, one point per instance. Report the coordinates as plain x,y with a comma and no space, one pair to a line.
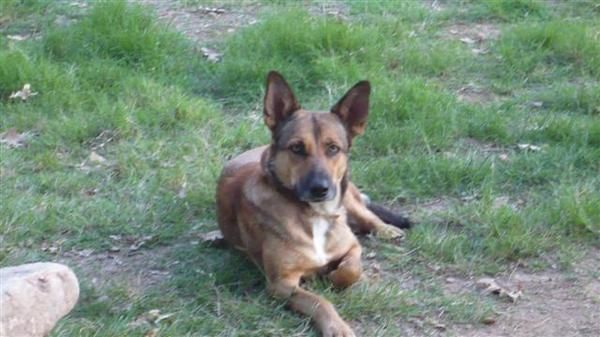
204,24
554,303
136,270
477,37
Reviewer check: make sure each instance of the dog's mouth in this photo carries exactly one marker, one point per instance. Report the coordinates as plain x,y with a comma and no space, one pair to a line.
316,195
328,197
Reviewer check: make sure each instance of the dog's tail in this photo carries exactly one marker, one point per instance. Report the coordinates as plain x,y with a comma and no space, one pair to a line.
389,217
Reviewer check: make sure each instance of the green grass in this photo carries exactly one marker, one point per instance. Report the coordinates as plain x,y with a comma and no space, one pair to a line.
118,82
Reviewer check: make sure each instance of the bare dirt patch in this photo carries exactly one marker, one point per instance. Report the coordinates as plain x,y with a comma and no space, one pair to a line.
201,24
137,271
471,33
209,24
554,303
477,37
476,94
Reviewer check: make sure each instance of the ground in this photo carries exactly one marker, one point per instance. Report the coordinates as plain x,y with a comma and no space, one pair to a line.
484,129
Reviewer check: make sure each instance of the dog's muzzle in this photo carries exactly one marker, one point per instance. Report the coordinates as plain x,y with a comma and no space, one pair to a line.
316,187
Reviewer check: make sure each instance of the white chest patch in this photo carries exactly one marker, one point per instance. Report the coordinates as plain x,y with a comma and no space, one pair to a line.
320,226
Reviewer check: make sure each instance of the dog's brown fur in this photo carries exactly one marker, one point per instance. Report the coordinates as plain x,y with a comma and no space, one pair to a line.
288,205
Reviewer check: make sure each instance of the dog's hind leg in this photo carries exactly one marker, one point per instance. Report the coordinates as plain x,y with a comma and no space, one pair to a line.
389,217
372,218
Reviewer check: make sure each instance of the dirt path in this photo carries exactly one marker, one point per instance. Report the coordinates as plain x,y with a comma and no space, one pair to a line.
203,24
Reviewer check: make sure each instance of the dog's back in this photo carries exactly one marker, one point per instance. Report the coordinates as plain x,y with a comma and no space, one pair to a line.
230,190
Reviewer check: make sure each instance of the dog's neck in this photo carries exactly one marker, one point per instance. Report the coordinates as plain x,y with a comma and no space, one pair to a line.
273,179
328,208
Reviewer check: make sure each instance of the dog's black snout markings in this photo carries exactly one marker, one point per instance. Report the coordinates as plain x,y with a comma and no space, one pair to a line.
316,186
319,189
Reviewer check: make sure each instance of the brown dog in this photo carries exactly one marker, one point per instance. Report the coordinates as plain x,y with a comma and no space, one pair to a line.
289,205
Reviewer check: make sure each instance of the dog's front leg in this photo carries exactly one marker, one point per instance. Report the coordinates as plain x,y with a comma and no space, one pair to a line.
364,220
319,309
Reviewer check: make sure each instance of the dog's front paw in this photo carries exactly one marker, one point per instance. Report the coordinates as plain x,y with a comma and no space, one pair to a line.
387,232
337,328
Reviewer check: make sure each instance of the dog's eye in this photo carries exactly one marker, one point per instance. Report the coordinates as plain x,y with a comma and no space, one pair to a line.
297,148
332,149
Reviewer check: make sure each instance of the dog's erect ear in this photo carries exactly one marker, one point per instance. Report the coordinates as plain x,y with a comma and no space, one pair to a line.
280,102
353,108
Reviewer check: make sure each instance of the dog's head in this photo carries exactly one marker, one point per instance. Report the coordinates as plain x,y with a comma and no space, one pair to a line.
309,150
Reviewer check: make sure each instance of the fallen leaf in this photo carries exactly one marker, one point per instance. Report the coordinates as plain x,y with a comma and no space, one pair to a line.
436,325
503,157
529,147
114,249
165,317
468,198
152,315
376,268
140,242
440,326
17,37
151,319
213,238
417,321
479,51
24,93
500,202
434,267
182,193
138,322
488,320
95,158
90,192
490,286
211,10
211,54
12,138
50,249
467,40
78,4
85,252
151,333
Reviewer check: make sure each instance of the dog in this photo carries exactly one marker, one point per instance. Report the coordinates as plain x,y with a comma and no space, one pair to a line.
290,205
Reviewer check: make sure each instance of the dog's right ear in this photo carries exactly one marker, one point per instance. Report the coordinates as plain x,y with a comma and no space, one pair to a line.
280,102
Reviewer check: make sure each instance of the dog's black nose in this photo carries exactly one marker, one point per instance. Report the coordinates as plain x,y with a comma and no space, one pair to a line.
319,189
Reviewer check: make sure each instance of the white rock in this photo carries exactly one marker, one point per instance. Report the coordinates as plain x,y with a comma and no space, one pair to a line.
33,297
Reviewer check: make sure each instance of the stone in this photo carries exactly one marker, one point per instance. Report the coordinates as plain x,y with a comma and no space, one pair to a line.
33,297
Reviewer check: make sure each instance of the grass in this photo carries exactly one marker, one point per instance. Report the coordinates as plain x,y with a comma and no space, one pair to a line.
117,82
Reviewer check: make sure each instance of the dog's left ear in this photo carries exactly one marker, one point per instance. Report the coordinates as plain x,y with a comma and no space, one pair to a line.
353,108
